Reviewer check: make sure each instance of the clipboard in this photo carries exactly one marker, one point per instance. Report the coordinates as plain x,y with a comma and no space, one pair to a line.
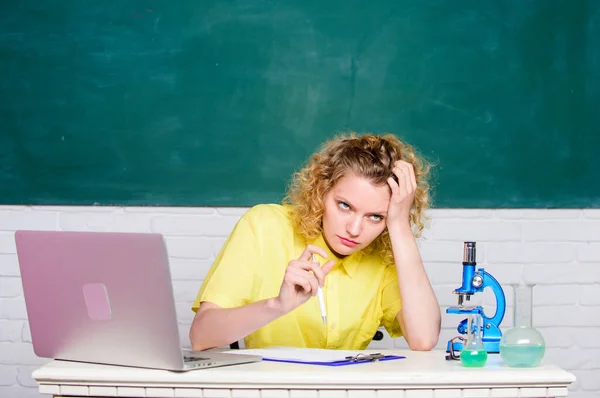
316,356
351,360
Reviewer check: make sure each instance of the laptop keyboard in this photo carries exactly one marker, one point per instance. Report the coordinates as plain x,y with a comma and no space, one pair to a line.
193,359
197,362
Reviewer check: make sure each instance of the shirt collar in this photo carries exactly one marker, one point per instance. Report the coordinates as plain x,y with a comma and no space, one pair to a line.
348,263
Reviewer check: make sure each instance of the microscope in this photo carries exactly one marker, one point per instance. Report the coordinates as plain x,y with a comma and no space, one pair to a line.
474,281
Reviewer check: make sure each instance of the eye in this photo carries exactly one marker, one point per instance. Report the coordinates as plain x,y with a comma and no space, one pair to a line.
343,206
376,217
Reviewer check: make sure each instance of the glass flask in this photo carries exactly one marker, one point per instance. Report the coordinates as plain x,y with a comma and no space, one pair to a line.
473,354
523,345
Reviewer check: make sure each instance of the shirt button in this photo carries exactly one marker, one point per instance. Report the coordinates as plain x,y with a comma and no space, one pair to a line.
333,325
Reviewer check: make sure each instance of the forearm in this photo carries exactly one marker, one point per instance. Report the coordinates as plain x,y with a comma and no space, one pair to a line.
215,327
420,313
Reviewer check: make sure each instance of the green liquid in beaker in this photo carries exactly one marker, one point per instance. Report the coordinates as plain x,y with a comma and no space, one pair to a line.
473,358
526,355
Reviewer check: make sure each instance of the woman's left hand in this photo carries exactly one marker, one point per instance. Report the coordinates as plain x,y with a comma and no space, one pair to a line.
403,194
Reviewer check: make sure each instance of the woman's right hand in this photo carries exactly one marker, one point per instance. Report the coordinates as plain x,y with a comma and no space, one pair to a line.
302,279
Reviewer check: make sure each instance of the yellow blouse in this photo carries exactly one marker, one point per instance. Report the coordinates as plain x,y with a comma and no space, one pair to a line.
360,292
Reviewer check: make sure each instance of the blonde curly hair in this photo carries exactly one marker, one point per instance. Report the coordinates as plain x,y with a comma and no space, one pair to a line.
369,155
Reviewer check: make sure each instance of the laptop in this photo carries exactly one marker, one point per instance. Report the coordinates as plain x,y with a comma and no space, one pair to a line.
106,297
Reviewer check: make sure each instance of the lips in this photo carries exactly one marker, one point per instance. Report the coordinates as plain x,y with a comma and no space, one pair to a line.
347,242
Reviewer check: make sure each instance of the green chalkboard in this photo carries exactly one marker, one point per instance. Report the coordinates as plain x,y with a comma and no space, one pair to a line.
216,103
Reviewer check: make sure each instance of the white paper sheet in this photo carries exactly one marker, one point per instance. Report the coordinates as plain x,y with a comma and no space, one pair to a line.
299,354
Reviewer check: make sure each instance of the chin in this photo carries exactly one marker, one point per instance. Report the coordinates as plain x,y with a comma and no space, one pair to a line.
345,250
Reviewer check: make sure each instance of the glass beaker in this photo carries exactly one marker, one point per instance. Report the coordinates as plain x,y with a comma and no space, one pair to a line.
522,345
473,354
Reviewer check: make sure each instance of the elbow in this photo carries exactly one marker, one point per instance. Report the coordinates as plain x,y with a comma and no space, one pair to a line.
424,338
422,344
203,334
199,347
427,339
198,344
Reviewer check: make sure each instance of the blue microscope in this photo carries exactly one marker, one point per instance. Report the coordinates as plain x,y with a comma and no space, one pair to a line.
474,281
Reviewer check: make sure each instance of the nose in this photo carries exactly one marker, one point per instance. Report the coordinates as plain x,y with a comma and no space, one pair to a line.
354,226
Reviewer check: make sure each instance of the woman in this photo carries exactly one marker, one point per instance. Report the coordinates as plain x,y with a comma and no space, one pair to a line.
356,207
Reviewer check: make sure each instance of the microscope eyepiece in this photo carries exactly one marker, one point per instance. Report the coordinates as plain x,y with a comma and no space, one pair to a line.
469,254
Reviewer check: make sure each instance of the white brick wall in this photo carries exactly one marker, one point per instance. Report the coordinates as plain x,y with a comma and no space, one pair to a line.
558,250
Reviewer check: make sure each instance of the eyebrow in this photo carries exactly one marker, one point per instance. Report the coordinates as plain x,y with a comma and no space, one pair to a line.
341,198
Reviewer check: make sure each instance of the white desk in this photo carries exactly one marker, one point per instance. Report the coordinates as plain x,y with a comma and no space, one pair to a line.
420,375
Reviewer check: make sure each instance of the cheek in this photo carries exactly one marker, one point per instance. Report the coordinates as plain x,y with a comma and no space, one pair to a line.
374,231
329,221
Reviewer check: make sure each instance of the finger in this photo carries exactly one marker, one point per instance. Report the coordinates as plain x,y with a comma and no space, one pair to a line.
305,269
393,186
317,271
300,278
413,177
409,177
401,180
320,273
397,170
327,267
324,270
311,249
310,266
305,279
409,171
407,180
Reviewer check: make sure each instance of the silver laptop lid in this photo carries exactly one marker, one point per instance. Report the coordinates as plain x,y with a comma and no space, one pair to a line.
100,297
